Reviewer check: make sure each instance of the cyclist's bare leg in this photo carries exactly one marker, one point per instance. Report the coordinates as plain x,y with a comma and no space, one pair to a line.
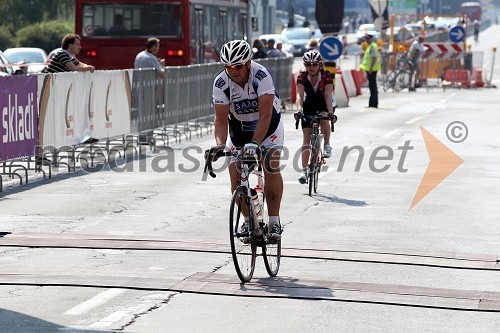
234,176
306,148
273,186
325,128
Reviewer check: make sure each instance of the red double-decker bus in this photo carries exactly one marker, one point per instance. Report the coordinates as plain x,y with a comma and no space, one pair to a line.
190,31
472,10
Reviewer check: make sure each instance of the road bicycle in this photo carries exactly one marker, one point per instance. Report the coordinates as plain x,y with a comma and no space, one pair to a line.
248,201
399,78
316,158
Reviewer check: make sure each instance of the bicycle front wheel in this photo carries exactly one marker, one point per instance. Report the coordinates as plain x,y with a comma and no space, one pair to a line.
243,244
312,164
317,168
403,80
272,257
271,252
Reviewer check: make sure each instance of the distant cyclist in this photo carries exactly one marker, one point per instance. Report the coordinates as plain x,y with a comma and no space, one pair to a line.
476,30
247,108
315,96
415,53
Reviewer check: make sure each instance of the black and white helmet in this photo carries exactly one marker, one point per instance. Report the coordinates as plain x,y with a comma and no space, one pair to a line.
235,52
312,56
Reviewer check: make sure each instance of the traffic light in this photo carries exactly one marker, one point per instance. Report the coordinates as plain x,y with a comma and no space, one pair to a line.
329,15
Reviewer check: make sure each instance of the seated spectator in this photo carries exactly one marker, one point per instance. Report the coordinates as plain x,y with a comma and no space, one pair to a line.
258,49
272,52
312,45
279,46
64,60
118,28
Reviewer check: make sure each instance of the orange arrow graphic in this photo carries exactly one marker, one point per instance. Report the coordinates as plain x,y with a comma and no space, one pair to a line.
442,163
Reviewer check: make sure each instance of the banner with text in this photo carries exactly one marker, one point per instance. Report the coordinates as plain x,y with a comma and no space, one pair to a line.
19,116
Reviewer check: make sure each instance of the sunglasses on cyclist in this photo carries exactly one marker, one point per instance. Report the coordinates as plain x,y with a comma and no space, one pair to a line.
237,67
311,64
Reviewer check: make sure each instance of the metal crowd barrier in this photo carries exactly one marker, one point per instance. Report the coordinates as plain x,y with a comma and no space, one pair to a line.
161,109
432,71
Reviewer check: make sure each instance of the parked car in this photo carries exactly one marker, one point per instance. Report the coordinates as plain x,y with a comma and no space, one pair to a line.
298,38
5,67
415,28
277,38
51,54
32,58
368,28
401,34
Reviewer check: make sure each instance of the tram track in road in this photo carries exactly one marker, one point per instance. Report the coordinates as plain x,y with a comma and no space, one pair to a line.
443,259
279,287
215,283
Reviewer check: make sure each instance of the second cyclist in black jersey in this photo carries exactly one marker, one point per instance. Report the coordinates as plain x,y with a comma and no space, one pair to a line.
315,96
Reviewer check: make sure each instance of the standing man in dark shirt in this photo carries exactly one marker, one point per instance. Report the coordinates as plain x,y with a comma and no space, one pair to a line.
65,60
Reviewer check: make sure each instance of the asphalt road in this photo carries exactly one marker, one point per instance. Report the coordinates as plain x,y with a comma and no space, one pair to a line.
145,249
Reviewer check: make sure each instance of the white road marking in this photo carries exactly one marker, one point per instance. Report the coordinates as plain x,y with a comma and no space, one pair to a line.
391,133
356,152
414,120
95,301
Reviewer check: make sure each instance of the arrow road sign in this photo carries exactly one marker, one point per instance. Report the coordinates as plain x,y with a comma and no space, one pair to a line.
457,34
330,48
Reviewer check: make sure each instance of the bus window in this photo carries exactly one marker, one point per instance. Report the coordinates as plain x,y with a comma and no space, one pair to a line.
190,32
132,20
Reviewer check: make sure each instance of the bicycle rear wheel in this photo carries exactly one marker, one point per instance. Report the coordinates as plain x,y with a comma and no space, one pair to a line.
271,252
389,81
243,245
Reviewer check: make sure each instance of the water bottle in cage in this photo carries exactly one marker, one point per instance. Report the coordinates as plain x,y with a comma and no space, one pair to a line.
257,209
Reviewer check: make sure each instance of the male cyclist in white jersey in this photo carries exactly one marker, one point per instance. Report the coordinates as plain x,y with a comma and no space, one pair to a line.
247,107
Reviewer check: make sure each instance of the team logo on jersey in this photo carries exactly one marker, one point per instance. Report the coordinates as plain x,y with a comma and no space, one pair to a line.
260,74
246,106
273,137
220,83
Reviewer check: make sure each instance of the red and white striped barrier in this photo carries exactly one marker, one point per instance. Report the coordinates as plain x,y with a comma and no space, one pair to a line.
443,50
349,83
341,94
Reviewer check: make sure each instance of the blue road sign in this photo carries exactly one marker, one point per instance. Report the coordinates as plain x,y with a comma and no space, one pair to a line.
457,34
330,48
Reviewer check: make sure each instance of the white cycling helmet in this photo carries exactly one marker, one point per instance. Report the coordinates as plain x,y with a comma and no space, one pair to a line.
312,56
235,52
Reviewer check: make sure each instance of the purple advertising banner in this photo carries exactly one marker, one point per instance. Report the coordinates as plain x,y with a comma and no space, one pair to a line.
18,116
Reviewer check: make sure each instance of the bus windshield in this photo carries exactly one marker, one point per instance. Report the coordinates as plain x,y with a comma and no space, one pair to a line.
131,20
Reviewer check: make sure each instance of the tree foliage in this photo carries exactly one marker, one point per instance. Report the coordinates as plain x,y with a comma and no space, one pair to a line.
17,14
6,40
46,35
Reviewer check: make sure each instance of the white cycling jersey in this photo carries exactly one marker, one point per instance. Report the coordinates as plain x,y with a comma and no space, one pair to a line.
243,102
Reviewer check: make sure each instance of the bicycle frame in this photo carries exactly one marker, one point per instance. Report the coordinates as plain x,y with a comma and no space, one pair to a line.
316,159
246,167
244,241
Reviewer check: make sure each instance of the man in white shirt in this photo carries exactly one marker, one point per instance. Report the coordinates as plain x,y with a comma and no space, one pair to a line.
416,51
148,58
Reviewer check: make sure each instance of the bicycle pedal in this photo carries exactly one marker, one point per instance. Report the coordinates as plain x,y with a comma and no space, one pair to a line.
261,241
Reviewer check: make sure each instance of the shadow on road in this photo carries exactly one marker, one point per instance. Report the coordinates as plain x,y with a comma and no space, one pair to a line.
324,197
16,322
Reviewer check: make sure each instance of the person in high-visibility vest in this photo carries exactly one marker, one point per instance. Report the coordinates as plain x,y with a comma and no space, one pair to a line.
371,65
